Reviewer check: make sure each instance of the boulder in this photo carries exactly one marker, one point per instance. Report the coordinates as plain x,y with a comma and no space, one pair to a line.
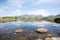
18,31
50,35
47,38
42,30
39,39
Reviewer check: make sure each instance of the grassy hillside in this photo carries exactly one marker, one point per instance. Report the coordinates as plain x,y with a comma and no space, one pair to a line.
25,18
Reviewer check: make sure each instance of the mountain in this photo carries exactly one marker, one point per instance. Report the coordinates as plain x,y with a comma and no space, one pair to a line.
54,16
57,16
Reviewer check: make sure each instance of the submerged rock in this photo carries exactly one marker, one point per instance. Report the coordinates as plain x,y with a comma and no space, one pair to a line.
50,35
47,38
54,25
42,30
55,38
18,31
39,39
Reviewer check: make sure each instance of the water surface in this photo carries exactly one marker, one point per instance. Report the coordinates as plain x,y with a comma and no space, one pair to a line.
10,27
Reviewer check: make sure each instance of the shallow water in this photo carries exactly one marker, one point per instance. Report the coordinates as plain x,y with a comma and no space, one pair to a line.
9,27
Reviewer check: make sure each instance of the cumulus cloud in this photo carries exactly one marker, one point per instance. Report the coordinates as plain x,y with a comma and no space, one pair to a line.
50,2
15,3
39,12
21,7
11,8
45,1
17,12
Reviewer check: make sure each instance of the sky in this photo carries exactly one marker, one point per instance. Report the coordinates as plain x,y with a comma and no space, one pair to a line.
29,7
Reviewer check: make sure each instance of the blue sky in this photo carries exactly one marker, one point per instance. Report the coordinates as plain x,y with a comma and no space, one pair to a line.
29,7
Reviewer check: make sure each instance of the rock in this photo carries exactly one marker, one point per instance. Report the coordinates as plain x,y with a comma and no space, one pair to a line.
18,31
50,35
48,38
42,30
55,38
39,39
15,33
54,25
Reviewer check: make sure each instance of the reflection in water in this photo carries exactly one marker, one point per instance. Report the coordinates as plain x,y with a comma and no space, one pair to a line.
7,30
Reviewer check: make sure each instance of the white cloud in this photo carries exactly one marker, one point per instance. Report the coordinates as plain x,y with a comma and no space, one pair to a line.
50,2
39,12
11,8
17,7
44,1
10,12
2,11
15,2
17,12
